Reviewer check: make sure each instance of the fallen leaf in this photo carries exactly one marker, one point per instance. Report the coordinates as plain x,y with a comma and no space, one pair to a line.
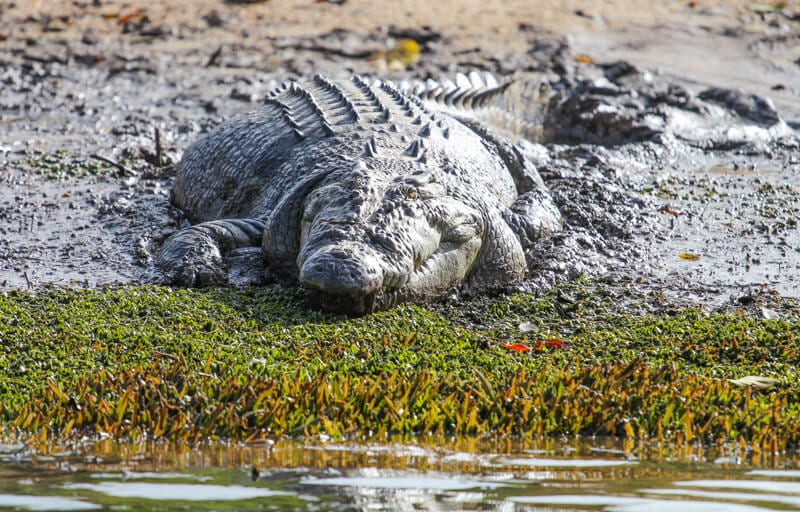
688,256
516,347
405,52
755,381
666,209
767,8
553,343
134,16
769,314
584,59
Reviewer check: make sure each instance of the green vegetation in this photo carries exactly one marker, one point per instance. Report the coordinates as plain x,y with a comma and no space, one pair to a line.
63,166
252,363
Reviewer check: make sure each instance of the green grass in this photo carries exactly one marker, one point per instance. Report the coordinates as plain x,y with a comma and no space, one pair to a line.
63,166
187,365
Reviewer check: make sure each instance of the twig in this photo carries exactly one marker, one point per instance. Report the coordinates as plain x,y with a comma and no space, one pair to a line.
166,355
705,207
214,59
117,165
159,161
325,49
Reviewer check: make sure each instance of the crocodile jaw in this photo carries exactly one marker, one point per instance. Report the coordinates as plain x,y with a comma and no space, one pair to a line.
357,279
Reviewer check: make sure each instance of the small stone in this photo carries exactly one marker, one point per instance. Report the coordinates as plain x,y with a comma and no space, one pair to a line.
90,37
213,19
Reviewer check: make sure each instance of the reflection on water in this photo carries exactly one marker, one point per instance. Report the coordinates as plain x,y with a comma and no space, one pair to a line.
408,474
23,502
794,501
624,504
167,491
426,481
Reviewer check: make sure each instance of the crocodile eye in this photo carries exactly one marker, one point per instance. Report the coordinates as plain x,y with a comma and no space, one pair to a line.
430,190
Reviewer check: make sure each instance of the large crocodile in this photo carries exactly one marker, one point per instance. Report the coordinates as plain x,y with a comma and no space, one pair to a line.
366,194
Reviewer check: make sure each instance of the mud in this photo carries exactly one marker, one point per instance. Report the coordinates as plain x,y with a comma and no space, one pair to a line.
699,213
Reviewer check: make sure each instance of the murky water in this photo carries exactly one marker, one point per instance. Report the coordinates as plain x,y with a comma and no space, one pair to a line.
418,474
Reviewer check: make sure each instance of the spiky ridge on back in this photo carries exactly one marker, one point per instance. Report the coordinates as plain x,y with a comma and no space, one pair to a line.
516,107
223,174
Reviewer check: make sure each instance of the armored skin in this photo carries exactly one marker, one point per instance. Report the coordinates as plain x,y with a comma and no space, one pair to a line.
365,194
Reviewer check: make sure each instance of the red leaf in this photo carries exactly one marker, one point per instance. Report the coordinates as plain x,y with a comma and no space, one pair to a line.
665,209
555,343
127,18
516,347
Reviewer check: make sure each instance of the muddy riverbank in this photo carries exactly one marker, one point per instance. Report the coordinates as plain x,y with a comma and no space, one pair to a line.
99,99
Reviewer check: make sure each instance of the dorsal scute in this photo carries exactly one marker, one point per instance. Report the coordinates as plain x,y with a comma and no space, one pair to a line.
411,105
469,91
339,93
304,103
286,114
364,87
371,147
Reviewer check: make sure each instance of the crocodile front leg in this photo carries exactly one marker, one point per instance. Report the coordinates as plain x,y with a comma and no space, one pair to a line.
533,216
194,256
501,261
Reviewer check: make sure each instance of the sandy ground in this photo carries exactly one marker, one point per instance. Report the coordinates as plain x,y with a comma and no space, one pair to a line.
667,34
472,21
90,80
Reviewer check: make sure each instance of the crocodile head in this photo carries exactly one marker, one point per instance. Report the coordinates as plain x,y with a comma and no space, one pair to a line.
371,241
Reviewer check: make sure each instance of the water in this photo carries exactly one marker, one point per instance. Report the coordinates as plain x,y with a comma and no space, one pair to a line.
416,474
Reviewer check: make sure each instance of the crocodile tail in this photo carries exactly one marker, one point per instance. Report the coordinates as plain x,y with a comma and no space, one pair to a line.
515,107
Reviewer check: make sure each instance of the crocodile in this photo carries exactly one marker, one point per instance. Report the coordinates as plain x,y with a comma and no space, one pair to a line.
363,191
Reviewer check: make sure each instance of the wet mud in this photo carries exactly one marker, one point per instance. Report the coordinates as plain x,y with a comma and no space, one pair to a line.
671,149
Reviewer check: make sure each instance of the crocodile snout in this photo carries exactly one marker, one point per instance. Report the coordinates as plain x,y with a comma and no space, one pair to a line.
341,272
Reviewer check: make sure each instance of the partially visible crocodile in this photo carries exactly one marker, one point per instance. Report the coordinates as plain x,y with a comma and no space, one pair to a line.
363,192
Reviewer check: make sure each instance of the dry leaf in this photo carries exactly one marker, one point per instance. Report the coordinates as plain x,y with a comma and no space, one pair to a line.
767,8
405,53
516,347
551,343
769,314
755,381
